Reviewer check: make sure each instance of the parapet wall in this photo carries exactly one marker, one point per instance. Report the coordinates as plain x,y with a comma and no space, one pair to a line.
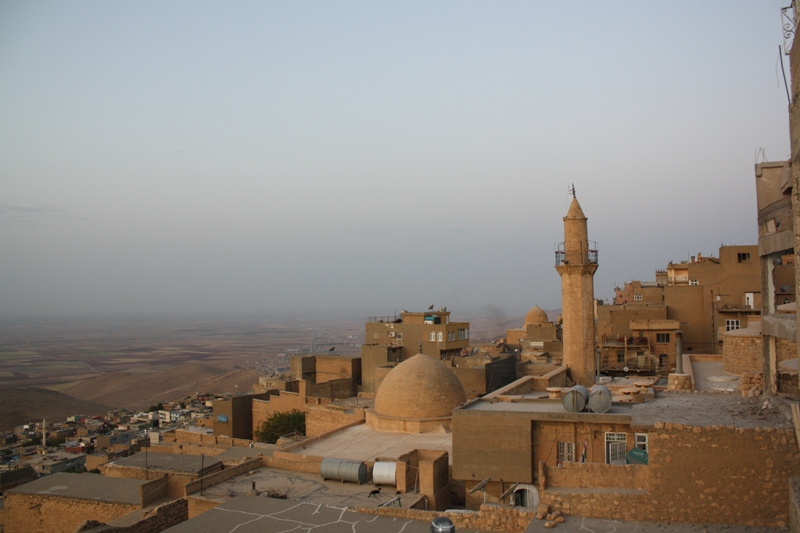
324,419
742,480
25,513
223,475
149,520
741,354
488,518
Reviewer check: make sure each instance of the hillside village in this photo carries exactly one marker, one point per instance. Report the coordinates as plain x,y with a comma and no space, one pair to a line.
677,403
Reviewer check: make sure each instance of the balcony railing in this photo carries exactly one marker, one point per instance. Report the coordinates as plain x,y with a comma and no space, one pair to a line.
576,257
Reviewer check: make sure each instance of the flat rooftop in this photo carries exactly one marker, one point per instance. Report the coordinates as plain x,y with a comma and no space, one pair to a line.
691,409
301,486
709,409
363,443
168,461
86,487
258,514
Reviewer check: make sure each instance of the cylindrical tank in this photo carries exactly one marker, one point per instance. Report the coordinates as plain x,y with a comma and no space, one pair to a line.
384,473
442,524
575,399
343,470
599,399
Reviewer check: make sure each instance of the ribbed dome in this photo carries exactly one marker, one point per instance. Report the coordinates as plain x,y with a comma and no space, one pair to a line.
420,387
536,316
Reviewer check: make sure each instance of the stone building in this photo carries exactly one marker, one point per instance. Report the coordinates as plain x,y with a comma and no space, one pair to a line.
175,469
707,295
429,332
233,417
537,335
62,502
675,458
778,343
650,348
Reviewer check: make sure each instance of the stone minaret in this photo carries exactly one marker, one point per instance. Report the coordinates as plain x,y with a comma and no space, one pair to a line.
576,263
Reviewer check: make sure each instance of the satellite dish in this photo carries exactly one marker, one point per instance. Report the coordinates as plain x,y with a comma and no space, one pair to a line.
509,491
480,485
625,369
719,298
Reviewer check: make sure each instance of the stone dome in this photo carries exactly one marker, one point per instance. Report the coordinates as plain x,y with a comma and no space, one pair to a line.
420,387
536,316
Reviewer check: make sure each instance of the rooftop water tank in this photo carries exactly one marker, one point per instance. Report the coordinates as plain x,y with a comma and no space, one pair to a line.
384,473
599,399
343,470
574,400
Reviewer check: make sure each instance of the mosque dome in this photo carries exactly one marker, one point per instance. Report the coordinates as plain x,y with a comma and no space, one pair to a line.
536,316
420,387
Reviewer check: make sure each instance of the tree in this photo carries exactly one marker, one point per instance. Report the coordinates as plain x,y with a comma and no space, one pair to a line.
155,407
280,424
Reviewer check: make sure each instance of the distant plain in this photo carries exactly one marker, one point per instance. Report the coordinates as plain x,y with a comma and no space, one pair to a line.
47,367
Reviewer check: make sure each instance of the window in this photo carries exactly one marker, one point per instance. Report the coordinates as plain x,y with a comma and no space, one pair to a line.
440,337
620,356
662,338
616,448
694,282
743,257
637,297
731,324
566,452
433,336
640,441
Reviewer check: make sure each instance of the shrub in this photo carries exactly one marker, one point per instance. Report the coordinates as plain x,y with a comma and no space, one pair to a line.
281,424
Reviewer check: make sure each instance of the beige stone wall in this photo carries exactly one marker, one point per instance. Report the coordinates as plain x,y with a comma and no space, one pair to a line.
282,403
198,506
150,520
488,518
331,368
794,505
785,349
741,354
695,474
597,475
222,475
25,513
322,419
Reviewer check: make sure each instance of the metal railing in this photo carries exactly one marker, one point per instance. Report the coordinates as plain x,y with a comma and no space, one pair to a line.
580,257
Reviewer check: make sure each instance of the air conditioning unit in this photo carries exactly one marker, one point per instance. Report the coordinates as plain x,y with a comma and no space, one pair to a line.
392,334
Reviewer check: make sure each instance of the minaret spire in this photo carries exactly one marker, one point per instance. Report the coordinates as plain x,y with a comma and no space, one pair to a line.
576,263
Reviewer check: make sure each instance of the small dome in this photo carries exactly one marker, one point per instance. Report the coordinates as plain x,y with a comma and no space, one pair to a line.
536,317
420,387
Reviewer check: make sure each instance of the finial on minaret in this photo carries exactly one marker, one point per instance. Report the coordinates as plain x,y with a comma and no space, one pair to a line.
572,190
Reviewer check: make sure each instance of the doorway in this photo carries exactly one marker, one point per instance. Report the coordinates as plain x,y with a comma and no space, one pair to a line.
525,496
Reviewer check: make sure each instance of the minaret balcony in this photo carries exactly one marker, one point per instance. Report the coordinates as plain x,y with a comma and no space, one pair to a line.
576,257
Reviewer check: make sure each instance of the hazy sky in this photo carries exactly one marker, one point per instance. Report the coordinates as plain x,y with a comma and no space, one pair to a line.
306,157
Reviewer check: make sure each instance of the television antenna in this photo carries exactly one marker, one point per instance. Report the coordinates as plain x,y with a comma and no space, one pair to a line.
509,491
481,486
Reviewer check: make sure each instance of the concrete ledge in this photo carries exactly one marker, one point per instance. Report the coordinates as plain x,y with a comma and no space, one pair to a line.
781,326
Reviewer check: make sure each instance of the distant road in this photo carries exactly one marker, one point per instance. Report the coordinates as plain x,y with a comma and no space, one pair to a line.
93,369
